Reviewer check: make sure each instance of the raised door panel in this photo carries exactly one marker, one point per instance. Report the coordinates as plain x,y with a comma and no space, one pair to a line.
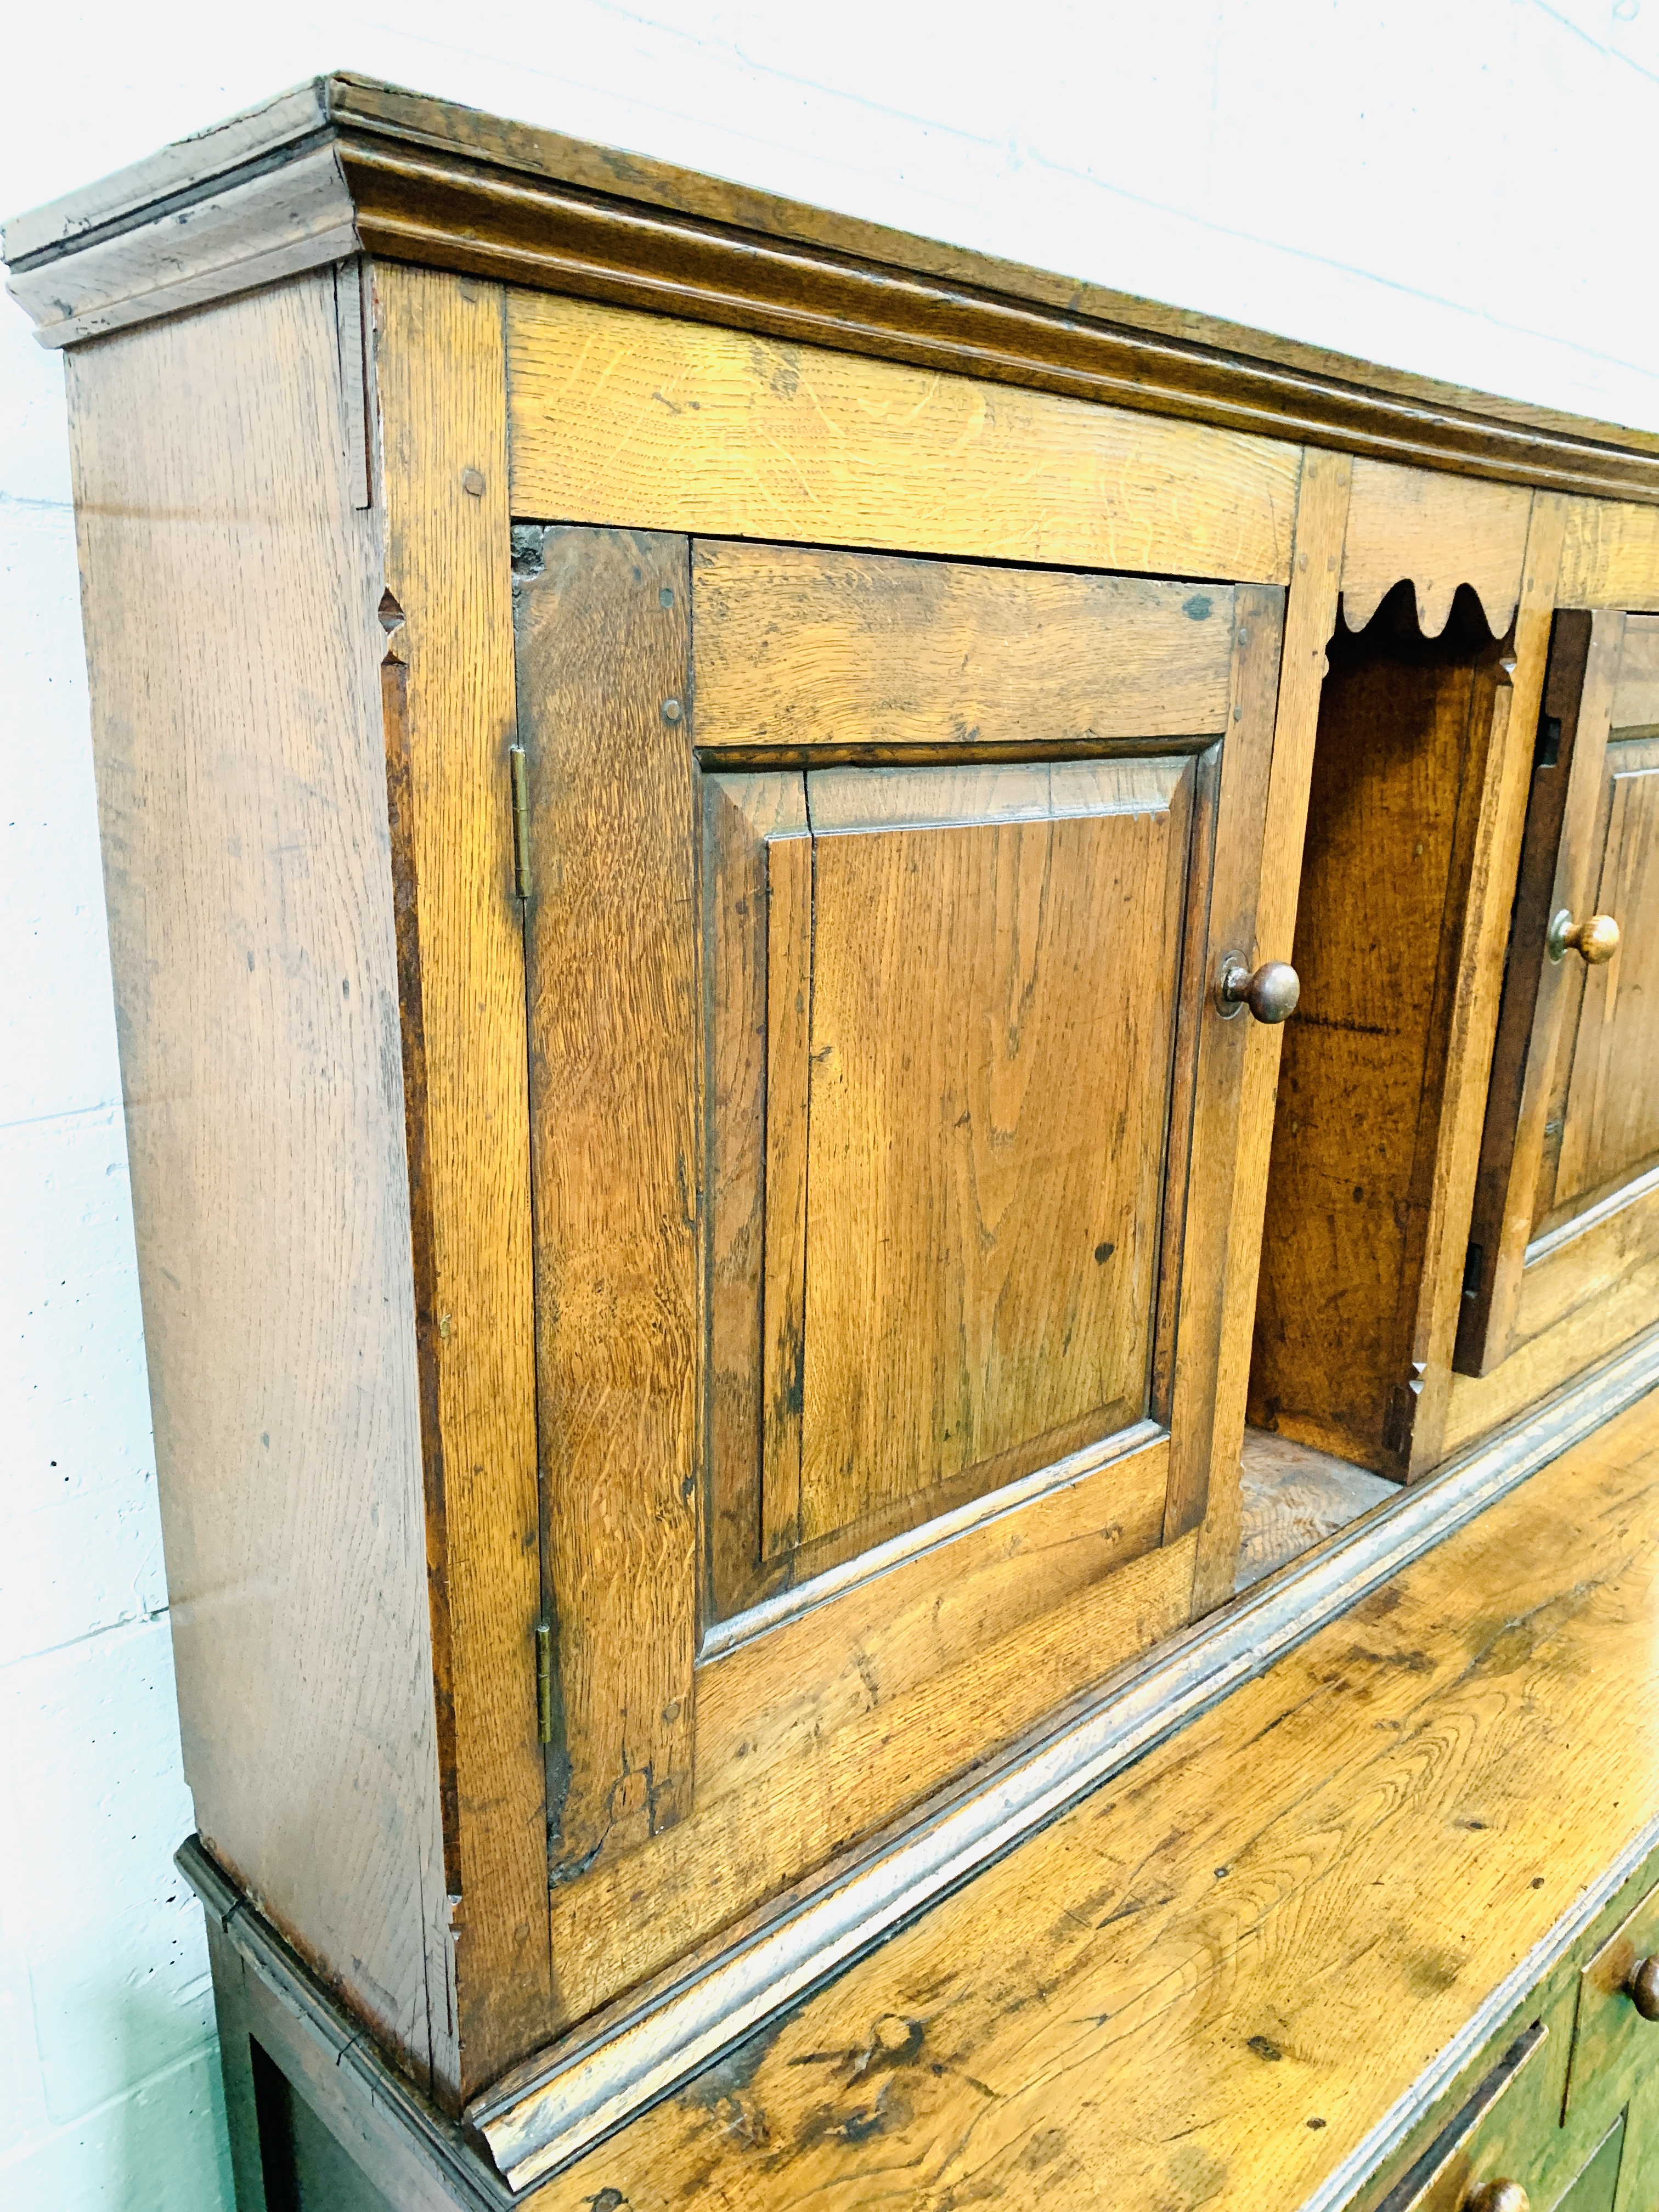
1567,1206
992,997
883,1120
1610,1120
970,979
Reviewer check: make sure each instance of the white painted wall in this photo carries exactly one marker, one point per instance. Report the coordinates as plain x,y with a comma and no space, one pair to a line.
1463,189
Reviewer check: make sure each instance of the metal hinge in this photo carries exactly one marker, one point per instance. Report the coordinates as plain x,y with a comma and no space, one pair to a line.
543,1682
520,773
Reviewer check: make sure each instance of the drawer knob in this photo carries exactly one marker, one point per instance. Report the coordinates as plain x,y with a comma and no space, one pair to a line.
1643,1987
1498,2197
1271,993
1597,938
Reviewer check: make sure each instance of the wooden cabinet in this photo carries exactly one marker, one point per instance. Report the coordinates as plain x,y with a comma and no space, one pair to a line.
706,812
1567,1208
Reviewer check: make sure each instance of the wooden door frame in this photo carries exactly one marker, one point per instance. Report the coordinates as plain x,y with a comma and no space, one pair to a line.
1585,651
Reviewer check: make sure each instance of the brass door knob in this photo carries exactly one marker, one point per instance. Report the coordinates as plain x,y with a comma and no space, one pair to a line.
1596,938
1643,1987
1498,2197
1271,993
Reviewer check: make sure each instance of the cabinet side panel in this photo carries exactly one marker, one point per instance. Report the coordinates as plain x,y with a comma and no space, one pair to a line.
229,593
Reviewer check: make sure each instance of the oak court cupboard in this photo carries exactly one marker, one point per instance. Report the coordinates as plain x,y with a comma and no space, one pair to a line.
888,1035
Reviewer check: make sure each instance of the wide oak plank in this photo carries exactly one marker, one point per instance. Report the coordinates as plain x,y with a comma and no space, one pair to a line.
800,648
1273,1921
653,424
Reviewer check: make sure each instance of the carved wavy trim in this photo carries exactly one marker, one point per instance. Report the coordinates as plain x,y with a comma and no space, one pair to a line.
1439,533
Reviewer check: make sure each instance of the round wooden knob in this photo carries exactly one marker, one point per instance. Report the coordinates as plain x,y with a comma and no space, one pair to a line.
1596,938
1271,993
1643,1987
1498,2197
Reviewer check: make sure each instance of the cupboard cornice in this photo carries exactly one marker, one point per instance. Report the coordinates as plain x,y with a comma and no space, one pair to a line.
345,165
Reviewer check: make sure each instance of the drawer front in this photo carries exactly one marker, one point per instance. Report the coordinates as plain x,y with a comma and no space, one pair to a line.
1595,2189
1613,2047
1497,2135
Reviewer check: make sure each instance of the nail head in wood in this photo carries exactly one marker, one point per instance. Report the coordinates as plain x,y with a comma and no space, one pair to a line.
472,483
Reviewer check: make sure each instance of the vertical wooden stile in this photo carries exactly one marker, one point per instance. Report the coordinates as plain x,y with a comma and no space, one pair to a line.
602,640
1495,859
441,375
1199,1444
1321,514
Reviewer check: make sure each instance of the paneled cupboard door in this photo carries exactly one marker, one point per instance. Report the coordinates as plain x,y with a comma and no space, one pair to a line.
885,1122
1568,1200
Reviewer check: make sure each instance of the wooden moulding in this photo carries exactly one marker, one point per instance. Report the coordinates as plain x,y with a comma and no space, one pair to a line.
344,164
544,2112
548,2112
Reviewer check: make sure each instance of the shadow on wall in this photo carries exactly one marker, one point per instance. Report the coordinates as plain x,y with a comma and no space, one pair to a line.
158,2146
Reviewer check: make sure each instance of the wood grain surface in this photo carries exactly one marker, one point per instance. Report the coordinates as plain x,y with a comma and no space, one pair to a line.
987,1122
1384,875
1588,1256
1295,1497
789,922
744,996
242,801
1476,1405
1205,1421
1417,524
1636,701
929,942
651,423
424,180
1612,1114
448,576
820,1792
800,649
1029,1554
1610,555
602,647
1321,511
1275,1919
1482,937
1415,819
1583,662
1581,854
